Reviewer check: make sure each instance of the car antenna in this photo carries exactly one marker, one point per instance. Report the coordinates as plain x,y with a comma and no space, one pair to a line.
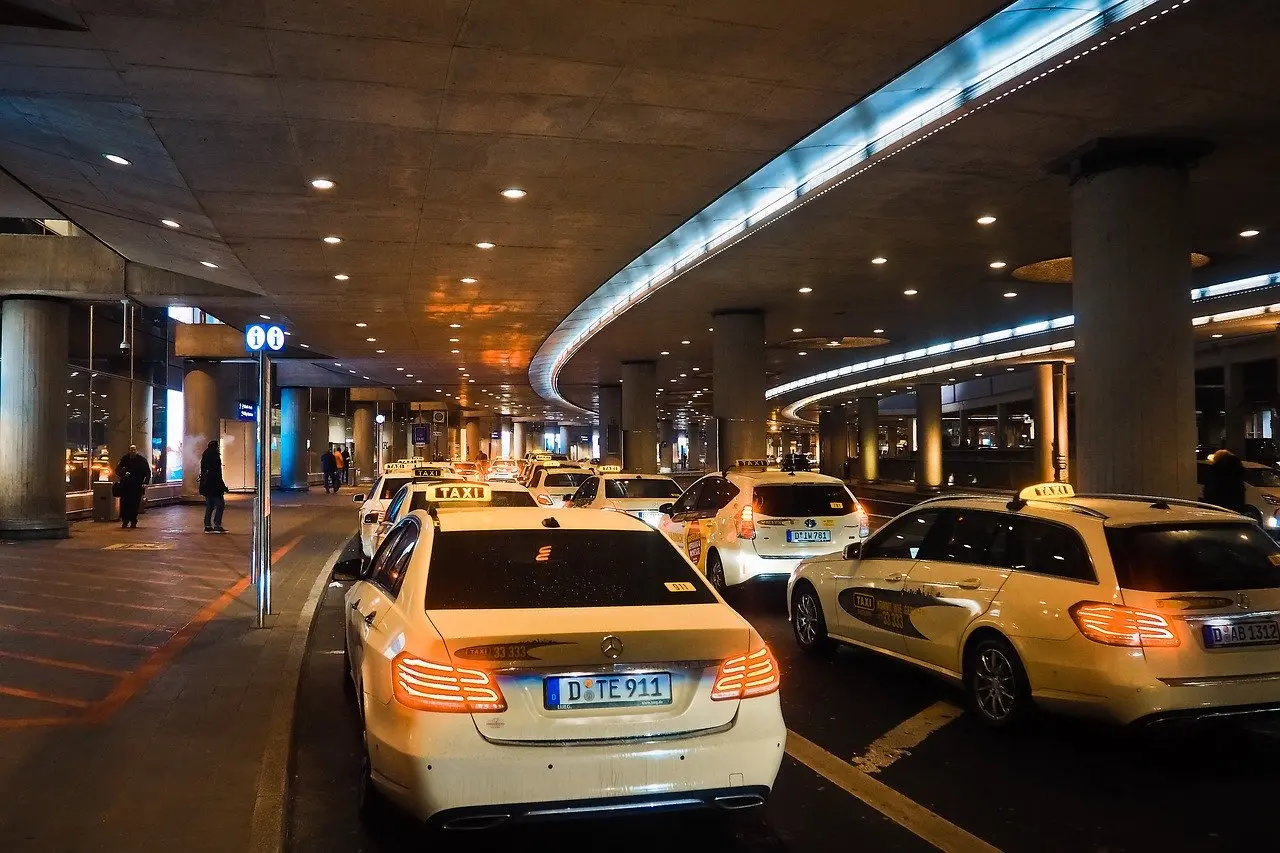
550,522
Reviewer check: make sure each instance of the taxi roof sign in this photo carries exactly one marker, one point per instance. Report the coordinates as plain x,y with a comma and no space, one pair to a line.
452,492
609,469
751,464
1046,490
430,471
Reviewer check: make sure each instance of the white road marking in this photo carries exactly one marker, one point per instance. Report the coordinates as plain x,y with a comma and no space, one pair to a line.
901,739
902,810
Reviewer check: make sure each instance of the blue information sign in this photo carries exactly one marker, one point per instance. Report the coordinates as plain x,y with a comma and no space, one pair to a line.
246,411
421,433
258,337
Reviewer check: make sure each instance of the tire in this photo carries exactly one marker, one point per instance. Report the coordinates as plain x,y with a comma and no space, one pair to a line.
370,804
715,573
808,622
999,693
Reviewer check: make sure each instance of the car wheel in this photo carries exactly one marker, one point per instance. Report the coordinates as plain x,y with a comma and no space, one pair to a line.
808,622
370,803
996,683
715,573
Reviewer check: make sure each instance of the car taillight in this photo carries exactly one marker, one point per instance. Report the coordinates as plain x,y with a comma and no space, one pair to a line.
545,500
864,520
1115,625
747,523
747,675
429,686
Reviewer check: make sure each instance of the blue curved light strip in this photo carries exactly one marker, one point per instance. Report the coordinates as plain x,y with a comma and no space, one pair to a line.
1024,39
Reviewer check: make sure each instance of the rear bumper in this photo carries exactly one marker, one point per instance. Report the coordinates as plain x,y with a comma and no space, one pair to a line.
1225,713
484,817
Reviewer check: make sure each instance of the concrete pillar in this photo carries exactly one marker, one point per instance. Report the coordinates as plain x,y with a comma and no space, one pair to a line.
711,446
667,438
695,444
398,433
1042,421
962,431
929,437
128,418
831,440
293,439
610,411
518,444
1002,426
869,438
640,416
33,419
363,437
738,384
1236,408
200,423
564,440
471,438
1061,439
1134,375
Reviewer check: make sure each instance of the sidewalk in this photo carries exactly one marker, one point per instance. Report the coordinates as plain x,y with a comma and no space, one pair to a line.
139,707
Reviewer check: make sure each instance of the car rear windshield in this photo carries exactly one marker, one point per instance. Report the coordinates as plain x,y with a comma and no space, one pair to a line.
1180,558
500,498
656,488
391,485
515,569
802,499
565,481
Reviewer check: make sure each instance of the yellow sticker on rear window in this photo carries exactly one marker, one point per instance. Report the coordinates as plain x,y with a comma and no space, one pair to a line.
837,505
1275,559
680,586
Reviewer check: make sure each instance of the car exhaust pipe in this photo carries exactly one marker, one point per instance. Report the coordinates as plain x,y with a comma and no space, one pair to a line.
475,822
733,802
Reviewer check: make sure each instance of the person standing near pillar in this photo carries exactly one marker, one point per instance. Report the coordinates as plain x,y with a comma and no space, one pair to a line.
343,460
329,469
213,487
133,475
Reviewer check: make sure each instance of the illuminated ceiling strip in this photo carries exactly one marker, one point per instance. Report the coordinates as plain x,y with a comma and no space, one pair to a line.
791,410
989,62
1213,291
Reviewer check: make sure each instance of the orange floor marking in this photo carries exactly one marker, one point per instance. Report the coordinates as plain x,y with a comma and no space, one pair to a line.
149,607
64,664
93,641
148,626
33,722
42,697
145,590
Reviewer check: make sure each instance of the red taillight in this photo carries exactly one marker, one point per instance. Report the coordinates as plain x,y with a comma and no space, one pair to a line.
429,686
545,500
747,675
1115,625
747,523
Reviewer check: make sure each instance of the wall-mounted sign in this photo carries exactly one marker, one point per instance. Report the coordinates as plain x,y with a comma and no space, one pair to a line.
437,417
246,411
421,433
258,337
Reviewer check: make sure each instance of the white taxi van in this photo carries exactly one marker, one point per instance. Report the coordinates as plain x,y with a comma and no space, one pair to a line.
1124,608
530,663
641,495
384,488
752,523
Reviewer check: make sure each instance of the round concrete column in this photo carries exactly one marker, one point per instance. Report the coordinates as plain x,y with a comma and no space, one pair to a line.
564,440
1002,425
869,438
471,437
831,440
711,446
738,384
695,445
640,416
610,411
200,424
363,437
1042,420
667,439
1134,374
518,444
1061,444
929,436
128,418
33,419
294,427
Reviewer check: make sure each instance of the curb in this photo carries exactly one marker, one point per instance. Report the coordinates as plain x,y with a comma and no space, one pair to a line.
267,825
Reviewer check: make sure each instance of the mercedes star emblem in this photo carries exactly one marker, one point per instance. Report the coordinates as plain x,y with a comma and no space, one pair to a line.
611,647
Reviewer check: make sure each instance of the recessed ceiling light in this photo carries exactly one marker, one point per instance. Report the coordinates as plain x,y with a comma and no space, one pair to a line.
686,343
695,368
210,264
665,352
455,351
409,375
464,375
806,290
117,159
333,239
514,192
833,343
802,352
797,330
337,364
322,183
910,292
471,380
462,368
879,261
264,316
439,390
170,223
986,219
1218,335
977,374
468,280
371,340
342,276
305,346
1009,294
998,265
455,325
399,368
350,371
1251,232
1008,370
484,244
684,376
419,381
380,352
361,325
365,377
877,331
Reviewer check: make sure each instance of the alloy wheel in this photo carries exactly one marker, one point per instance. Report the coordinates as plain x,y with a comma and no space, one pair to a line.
995,685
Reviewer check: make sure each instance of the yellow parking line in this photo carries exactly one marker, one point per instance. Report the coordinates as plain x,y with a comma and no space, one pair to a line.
907,813
905,736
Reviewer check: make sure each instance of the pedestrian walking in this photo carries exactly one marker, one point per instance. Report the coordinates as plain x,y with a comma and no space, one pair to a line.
214,488
343,462
329,467
1224,481
133,473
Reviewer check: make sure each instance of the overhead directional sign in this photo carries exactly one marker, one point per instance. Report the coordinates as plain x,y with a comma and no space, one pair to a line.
258,337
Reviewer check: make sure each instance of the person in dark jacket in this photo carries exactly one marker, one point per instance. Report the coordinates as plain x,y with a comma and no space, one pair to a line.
1224,481
346,465
213,487
329,467
133,473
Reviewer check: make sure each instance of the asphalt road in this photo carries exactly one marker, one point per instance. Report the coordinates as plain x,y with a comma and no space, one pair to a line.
1053,785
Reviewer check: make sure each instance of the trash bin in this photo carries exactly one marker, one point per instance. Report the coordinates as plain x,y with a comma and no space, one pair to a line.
105,506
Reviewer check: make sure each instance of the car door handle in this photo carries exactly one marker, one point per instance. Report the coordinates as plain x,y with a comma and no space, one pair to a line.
970,583
896,577
368,620
355,605
842,577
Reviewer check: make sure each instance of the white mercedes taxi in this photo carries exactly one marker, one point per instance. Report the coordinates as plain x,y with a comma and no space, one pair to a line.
753,524
531,663
419,493
553,483
374,503
641,495
1128,609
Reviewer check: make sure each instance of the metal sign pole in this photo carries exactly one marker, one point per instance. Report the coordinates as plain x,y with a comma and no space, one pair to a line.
262,501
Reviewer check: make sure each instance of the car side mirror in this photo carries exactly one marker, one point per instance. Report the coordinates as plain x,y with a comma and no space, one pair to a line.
666,509
359,499
853,550
351,567
371,518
